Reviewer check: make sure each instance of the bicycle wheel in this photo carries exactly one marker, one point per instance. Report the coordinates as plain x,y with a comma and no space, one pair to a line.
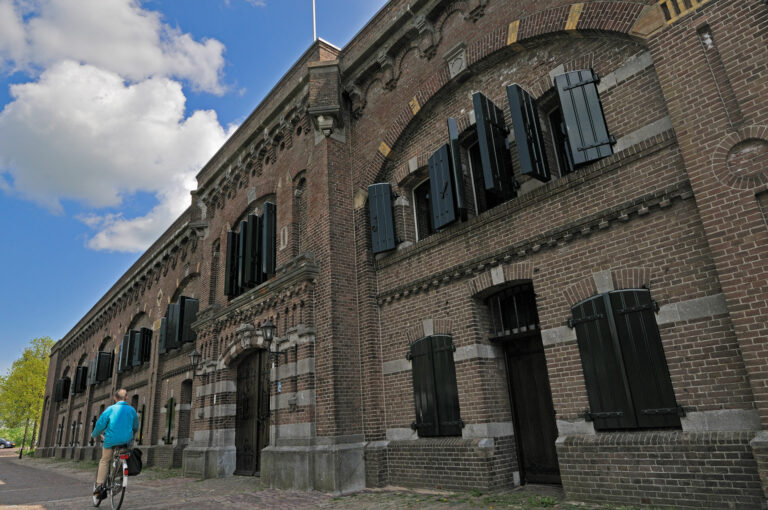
116,489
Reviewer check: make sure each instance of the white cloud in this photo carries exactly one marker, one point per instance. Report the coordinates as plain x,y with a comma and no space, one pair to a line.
82,133
12,38
115,35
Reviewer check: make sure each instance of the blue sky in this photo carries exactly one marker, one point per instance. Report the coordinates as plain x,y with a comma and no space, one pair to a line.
108,108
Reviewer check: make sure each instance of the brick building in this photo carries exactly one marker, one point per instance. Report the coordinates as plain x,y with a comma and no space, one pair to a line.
502,242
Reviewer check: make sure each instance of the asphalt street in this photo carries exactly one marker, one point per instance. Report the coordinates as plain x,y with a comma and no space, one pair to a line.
21,484
43,484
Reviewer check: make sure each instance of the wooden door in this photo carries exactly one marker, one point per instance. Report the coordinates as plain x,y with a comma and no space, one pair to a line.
534,414
252,420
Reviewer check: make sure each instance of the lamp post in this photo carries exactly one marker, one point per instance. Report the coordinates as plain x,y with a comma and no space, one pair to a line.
194,360
268,331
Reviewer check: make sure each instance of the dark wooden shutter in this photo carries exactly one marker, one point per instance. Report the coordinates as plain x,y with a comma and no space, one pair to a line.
146,345
104,366
163,331
446,389
424,387
122,363
135,359
76,386
644,359
610,402
382,223
230,268
252,250
530,143
456,169
78,380
170,409
491,138
93,366
268,239
57,390
583,116
441,188
172,317
188,307
65,382
84,379
242,281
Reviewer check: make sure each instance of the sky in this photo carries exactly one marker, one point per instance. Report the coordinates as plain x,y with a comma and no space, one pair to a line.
108,109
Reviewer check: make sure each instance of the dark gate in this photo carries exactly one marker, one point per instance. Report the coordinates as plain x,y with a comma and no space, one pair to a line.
534,415
252,419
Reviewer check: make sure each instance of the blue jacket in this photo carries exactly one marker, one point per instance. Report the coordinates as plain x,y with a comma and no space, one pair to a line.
120,422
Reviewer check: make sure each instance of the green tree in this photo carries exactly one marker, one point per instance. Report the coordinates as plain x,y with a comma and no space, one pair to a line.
22,390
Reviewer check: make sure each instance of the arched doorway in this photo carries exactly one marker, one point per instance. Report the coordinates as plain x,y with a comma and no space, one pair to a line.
252,421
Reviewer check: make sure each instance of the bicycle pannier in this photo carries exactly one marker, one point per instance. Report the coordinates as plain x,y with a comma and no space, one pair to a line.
134,462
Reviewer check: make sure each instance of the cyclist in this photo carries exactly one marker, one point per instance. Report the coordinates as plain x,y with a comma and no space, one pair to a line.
119,422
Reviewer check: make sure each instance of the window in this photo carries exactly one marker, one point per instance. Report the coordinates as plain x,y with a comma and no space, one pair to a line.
625,369
484,199
494,157
422,210
61,389
135,349
214,272
576,121
513,312
176,326
251,252
100,367
560,142
81,375
435,392
170,408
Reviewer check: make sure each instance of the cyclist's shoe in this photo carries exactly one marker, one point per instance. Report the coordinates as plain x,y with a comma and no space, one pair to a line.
99,491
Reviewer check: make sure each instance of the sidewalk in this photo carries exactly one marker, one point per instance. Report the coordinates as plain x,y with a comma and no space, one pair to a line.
167,489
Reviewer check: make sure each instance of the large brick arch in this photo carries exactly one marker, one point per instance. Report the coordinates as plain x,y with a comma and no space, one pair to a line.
610,18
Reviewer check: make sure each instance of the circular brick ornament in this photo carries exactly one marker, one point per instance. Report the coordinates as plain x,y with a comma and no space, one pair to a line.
740,161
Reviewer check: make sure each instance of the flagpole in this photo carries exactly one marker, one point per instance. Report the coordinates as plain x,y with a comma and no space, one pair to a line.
314,22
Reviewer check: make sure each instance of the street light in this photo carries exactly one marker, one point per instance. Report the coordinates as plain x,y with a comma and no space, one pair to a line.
194,360
268,331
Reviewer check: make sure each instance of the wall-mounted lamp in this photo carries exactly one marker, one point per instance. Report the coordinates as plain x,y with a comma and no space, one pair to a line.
268,332
194,360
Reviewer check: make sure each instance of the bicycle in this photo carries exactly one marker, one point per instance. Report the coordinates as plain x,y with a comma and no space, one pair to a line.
117,477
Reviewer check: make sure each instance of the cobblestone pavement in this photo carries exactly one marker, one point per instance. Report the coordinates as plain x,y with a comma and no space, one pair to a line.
36,484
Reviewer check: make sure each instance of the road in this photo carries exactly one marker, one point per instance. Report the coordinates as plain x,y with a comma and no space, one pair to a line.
41,484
